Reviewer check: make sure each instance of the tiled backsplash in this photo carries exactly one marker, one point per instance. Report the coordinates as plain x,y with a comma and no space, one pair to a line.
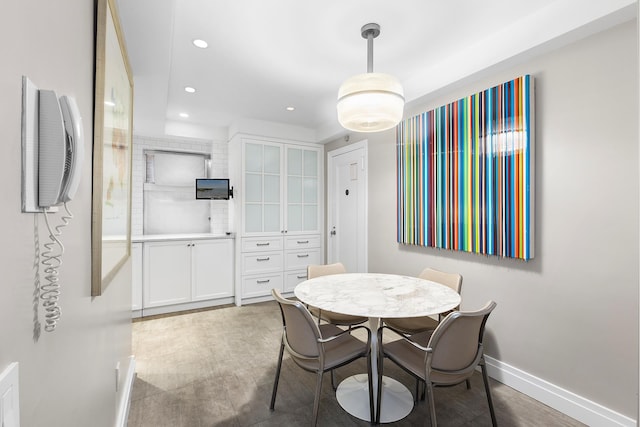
219,169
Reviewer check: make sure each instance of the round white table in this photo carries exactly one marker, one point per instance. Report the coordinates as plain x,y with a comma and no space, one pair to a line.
376,296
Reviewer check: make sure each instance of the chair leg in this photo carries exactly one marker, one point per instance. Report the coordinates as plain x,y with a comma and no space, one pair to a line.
370,378
333,380
468,384
275,383
380,356
487,389
432,403
316,400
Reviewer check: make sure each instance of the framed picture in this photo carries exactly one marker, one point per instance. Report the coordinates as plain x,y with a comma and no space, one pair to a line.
113,128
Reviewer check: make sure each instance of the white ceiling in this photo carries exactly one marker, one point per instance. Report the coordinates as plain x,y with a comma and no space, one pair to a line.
265,55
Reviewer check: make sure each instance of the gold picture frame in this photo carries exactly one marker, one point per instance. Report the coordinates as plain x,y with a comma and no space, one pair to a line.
112,150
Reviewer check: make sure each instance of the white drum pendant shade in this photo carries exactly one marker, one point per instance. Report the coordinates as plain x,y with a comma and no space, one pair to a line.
370,102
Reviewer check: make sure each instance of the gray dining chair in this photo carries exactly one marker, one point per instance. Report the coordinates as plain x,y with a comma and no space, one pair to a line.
446,356
317,348
326,315
412,325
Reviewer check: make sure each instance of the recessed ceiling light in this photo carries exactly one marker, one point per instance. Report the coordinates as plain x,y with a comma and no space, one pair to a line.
184,115
200,43
190,89
290,108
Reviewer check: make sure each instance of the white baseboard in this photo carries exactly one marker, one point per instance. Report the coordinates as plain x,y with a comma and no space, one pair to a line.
568,403
122,413
174,308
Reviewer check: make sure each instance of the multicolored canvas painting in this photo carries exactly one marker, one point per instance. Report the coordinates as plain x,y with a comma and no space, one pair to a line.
466,174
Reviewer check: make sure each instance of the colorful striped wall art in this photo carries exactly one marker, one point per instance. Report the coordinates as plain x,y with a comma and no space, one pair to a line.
466,174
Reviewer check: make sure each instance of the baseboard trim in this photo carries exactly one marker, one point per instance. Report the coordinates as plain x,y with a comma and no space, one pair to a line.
122,415
583,410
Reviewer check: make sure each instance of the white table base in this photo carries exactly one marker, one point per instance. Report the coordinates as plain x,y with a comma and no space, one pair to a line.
353,396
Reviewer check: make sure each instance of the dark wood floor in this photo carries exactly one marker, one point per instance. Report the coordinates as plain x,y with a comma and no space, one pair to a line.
216,368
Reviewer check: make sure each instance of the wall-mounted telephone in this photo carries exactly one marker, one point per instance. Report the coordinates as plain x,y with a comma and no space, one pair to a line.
52,155
60,149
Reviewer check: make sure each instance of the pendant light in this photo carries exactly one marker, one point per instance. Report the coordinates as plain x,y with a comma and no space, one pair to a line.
370,102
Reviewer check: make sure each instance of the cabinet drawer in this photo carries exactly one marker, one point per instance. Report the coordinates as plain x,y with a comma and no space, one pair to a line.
299,260
302,242
257,286
255,244
292,278
261,262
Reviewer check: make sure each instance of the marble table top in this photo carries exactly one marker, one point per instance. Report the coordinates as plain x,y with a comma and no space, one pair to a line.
377,295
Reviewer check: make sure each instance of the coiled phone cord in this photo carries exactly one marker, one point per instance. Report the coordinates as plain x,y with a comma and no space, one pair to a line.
50,291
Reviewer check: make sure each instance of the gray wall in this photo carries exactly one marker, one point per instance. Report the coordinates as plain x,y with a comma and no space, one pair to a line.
67,378
570,316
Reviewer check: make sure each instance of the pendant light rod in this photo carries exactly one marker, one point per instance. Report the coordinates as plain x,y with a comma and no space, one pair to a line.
370,32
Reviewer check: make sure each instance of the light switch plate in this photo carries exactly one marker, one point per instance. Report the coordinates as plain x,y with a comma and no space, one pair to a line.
9,397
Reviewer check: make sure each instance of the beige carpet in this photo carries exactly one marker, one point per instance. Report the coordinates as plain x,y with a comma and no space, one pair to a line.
216,368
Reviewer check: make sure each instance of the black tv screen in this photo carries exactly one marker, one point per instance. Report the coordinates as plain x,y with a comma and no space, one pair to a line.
212,189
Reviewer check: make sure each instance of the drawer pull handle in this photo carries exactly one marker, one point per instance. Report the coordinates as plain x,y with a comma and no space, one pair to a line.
263,281
302,277
303,242
303,255
263,259
262,244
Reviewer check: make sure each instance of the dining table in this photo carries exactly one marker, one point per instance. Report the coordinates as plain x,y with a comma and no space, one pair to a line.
376,296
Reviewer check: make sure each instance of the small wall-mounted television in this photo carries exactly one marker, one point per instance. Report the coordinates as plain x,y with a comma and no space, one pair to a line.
213,189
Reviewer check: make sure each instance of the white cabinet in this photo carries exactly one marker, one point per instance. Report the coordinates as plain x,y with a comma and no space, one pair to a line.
184,274
167,273
281,185
211,269
302,190
136,280
278,210
262,181
300,251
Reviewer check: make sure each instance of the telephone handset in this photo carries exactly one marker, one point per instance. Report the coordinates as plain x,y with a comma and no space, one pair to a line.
60,155
61,149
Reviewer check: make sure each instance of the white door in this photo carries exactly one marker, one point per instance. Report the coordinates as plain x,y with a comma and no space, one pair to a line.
347,207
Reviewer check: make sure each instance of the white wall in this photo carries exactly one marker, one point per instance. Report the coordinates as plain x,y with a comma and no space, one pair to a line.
570,316
67,378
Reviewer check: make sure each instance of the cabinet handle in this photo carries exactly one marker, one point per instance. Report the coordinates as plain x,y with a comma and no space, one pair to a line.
262,244
263,259
263,281
302,277
303,242
303,255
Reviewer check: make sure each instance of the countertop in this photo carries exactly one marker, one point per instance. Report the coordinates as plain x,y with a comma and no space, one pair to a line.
167,237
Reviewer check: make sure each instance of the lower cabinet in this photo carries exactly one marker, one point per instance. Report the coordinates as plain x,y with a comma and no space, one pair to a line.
136,280
183,274
275,262
211,269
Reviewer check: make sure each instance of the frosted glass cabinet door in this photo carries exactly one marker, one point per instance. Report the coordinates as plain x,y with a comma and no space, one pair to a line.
262,187
302,189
